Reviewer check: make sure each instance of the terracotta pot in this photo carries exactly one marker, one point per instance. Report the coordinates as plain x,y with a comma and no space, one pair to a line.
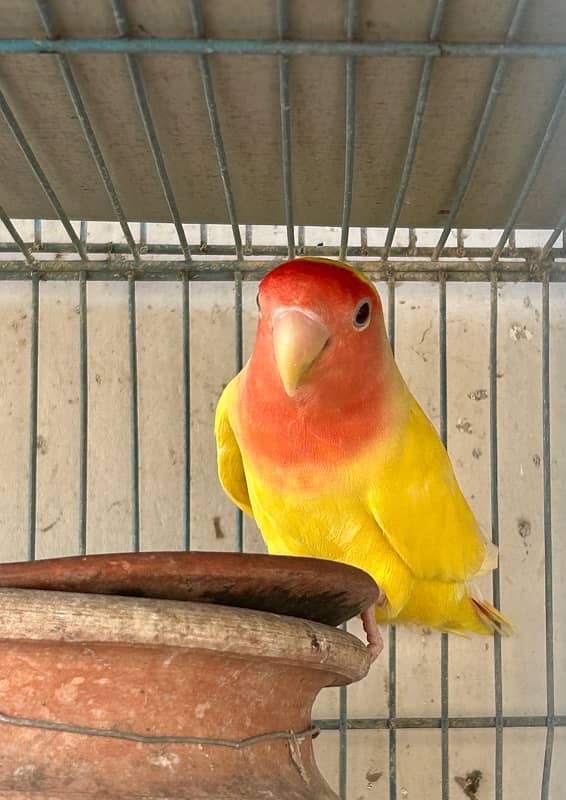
313,588
122,698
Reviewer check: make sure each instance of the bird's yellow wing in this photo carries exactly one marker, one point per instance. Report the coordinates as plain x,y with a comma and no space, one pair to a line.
416,500
230,464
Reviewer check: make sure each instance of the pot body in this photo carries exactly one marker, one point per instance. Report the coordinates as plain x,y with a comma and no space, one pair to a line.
121,698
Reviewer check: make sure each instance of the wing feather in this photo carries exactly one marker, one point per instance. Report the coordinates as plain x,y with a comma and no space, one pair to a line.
230,465
417,502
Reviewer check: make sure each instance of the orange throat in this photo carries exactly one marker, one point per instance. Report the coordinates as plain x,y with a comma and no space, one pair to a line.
320,425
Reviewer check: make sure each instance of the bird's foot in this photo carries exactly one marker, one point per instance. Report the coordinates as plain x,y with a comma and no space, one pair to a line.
375,642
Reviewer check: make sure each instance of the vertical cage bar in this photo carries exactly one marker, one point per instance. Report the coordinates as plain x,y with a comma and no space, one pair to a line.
83,424
73,90
534,169
11,228
239,358
343,740
550,242
350,148
494,501
482,129
143,234
33,412
301,239
248,240
122,24
134,421
392,690
186,412
547,527
285,110
37,233
210,98
83,231
203,238
443,403
420,105
40,175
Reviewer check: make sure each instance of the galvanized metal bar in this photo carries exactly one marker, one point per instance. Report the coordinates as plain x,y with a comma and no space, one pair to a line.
289,47
550,242
527,254
36,233
50,27
435,723
352,21
420,105
482,129
301,239
19,242
121,19
143,235
343,741
33,413
534,169
35,166
282,11
134,423
443,405
494,497
239,359
210,98
254,269
185,283
83,231
203,238
83,411
392,632
248,241
547,527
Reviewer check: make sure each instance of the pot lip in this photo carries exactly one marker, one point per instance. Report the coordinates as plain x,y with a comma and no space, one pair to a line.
47,616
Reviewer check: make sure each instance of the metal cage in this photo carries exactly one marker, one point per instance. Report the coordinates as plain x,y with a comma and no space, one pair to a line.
62,69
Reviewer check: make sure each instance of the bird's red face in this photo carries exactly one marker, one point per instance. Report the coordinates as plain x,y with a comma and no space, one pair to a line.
321,327
318,382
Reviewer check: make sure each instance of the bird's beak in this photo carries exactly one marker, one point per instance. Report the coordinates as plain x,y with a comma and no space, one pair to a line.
298,340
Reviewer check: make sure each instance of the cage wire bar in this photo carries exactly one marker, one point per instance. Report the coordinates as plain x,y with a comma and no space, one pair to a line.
443,405
390,262
285,47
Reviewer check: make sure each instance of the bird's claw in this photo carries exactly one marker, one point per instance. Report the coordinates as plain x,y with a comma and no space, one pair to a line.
375,642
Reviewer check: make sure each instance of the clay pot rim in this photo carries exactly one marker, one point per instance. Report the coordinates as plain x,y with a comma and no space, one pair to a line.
47,616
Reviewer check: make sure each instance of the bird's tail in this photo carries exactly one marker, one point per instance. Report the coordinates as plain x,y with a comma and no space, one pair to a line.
493,619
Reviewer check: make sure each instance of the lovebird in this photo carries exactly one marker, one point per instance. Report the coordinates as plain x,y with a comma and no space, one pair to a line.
320,439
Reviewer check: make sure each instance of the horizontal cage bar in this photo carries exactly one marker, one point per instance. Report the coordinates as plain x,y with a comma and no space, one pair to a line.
385,49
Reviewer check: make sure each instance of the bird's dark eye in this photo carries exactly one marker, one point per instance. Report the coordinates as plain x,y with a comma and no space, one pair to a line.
362,315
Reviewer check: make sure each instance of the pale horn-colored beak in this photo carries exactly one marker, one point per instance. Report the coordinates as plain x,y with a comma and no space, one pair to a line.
298,340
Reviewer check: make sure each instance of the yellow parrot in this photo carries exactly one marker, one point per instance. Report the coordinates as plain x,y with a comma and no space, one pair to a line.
321,441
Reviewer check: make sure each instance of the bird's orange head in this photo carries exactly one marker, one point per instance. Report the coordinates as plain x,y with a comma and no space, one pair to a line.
320,329
318,382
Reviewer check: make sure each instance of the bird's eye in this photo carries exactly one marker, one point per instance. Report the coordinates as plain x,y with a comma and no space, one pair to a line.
362,315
